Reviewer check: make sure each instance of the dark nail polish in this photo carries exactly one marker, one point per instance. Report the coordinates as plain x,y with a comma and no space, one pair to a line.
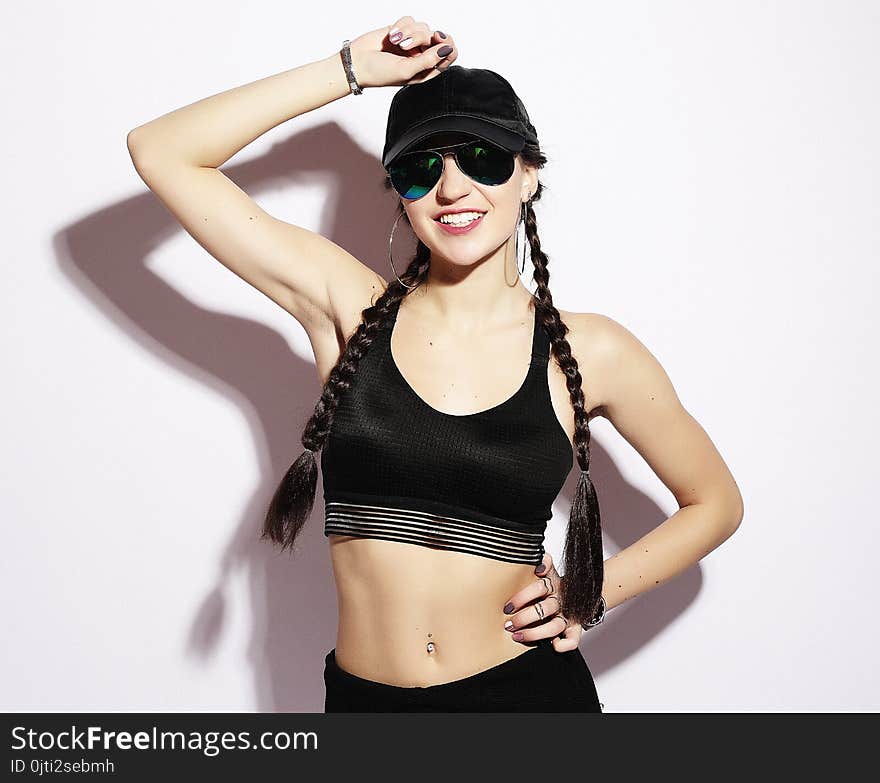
441,34
508,608
539,569
443,51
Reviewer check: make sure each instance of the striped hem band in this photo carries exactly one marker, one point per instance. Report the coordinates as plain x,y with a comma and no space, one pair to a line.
433,530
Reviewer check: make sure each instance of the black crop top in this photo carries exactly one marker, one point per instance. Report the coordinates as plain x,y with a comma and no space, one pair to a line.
395,468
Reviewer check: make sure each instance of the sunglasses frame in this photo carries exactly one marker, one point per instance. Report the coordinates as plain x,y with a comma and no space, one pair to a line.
442,152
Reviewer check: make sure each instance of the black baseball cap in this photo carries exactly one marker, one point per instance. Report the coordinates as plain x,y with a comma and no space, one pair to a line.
470,100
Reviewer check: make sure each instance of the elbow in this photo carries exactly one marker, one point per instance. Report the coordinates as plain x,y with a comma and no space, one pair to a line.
137,147
726,514
735,514
140,147
142,155
133,142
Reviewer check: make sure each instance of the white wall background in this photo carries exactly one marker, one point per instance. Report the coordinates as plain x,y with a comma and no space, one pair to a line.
712,186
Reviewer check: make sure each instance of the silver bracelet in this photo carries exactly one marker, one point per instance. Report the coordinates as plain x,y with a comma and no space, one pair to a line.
600,614
349,71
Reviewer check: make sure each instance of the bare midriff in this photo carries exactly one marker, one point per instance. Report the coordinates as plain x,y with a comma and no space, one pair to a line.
415,616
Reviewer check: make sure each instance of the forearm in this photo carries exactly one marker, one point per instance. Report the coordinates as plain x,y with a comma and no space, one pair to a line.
210,131
668,550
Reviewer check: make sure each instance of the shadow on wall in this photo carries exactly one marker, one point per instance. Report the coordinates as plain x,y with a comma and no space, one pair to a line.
105,256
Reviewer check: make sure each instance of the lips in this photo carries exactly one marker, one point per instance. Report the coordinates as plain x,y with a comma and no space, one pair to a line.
450,228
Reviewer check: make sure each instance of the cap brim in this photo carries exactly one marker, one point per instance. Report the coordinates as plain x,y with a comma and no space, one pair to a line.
476,126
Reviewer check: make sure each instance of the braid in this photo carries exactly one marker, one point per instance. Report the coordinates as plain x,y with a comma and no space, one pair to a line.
293,499
581,587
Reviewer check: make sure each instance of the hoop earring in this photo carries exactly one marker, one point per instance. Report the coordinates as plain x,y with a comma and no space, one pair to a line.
390,258
522,219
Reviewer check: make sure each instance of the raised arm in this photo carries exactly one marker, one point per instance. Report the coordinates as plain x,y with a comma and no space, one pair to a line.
178,154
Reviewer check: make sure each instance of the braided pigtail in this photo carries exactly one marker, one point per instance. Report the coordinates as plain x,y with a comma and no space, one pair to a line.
581,587
294,498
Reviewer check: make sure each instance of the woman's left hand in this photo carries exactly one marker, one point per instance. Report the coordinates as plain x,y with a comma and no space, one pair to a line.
535,611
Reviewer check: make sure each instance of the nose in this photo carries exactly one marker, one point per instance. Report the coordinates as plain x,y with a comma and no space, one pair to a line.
453,182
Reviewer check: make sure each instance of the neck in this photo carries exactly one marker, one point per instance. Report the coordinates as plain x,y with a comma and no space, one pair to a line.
487,291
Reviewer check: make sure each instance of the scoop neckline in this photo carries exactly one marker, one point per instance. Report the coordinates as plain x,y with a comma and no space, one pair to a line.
460,416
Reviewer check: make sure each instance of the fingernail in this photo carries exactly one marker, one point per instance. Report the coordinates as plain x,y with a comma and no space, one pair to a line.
443,51
508,608
518,636
394,35
441,34
405,42
508,625
539,569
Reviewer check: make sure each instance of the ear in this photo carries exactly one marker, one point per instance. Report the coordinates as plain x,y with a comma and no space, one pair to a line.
530,181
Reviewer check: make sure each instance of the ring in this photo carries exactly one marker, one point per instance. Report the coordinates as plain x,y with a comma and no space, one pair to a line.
562,632
550,589
540,610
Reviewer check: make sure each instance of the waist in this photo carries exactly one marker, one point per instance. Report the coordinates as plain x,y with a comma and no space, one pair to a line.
395,599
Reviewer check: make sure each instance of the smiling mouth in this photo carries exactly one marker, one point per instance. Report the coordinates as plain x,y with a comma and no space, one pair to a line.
461,226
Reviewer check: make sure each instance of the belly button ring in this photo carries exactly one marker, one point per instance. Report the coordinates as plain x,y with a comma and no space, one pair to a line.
430,647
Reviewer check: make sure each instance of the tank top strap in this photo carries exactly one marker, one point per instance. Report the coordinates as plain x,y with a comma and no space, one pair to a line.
540,342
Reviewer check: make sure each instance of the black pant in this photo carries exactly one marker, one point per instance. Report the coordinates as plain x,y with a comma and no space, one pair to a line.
538,680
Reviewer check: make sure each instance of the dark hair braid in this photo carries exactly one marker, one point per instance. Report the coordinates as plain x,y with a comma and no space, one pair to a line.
293,499
583,557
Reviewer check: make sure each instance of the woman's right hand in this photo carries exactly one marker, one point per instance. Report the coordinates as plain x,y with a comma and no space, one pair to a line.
379,61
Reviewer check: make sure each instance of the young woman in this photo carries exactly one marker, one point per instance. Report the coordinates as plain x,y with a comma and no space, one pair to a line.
455,402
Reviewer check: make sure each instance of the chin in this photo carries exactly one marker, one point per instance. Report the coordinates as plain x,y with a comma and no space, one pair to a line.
463,250
459,256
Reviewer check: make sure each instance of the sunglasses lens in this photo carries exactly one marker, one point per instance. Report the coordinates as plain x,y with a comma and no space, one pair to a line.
415,174
485,163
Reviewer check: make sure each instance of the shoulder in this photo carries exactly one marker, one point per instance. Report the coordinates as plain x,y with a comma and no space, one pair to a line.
599,334
608,354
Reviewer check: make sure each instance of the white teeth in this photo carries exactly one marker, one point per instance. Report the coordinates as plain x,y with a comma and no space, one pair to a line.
460,218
